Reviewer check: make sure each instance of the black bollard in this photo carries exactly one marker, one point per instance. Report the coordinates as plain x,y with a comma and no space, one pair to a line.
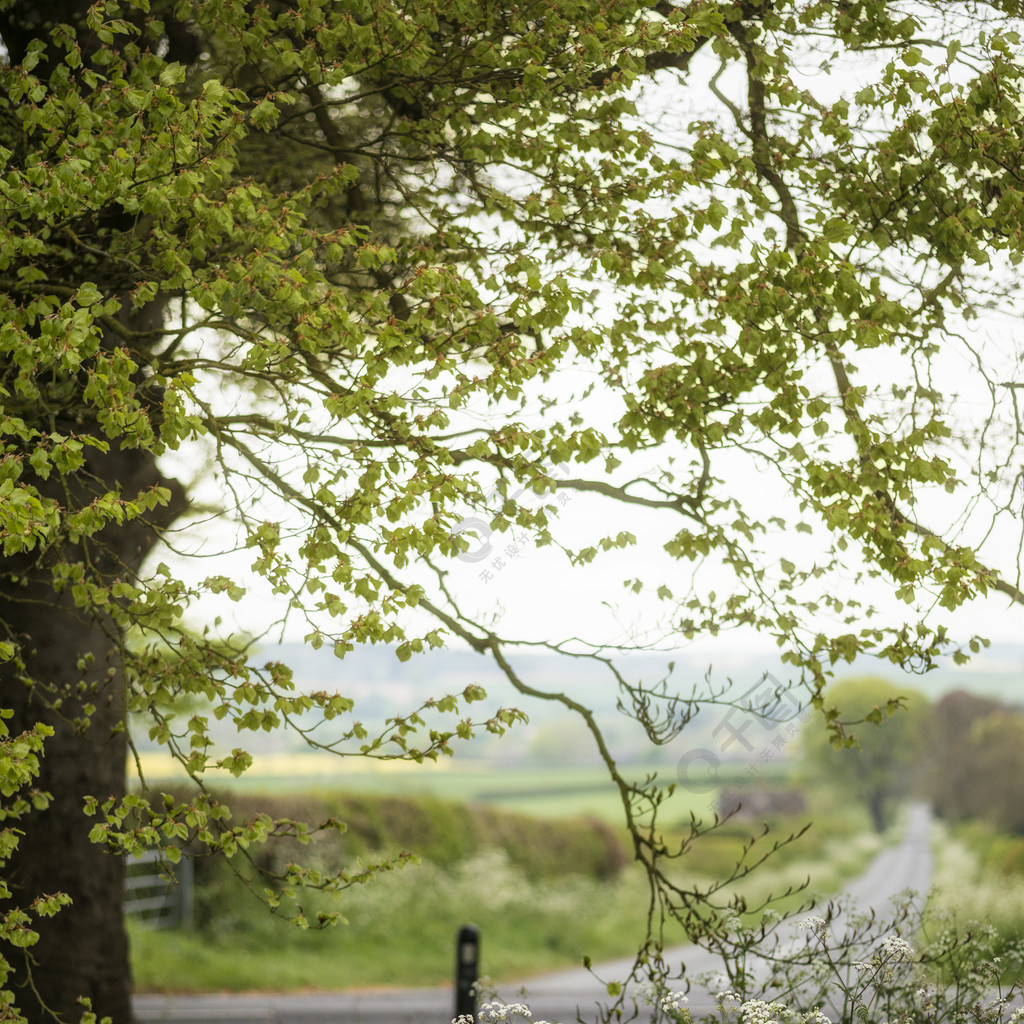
467,963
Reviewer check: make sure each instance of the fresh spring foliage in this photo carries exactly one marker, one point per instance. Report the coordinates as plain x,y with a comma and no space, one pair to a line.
373,288
19,765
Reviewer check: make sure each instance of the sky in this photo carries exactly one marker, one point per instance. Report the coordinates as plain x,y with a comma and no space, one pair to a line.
529,592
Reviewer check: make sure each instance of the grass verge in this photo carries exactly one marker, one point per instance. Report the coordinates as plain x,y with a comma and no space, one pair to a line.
971,886
401,929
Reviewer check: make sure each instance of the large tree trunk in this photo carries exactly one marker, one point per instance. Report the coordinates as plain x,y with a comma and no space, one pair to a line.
72,659
83,951
69,658
70,677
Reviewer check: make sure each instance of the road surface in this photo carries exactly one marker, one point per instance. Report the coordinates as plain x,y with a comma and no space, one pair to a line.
559,996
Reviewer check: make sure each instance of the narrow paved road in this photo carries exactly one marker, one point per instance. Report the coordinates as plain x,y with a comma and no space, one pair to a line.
559,996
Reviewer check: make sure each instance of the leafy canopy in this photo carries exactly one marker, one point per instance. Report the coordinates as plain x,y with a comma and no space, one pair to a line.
355,259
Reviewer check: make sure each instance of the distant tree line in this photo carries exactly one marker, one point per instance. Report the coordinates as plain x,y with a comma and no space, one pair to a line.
964,753
975,760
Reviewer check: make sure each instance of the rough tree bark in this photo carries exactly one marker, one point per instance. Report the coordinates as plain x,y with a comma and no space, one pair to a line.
70,677
84,950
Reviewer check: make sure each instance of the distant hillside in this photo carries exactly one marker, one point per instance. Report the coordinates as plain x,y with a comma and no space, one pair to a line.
381,686
374,673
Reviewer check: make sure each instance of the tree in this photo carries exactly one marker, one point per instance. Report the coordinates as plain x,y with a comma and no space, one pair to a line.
996,741
881,763
950,776
974,759
357,256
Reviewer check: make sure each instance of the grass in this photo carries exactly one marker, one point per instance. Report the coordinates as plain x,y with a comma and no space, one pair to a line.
838,846
401,929
976,908
967,890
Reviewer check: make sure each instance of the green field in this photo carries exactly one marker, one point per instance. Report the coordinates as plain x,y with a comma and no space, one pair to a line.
400,929
544,792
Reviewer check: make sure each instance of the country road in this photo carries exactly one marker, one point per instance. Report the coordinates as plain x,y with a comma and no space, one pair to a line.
559,996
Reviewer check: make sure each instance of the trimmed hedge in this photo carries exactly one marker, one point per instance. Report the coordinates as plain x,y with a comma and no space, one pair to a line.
440,831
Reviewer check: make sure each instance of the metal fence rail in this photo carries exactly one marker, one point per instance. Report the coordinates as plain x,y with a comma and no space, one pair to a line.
159,893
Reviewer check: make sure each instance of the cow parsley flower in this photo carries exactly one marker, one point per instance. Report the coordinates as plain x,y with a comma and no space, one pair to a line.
719,985
674,1003
757,1011
502,1013
815,1016
646,992
813,924
897,950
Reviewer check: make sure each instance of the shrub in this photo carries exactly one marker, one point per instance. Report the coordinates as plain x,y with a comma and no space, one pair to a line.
444,833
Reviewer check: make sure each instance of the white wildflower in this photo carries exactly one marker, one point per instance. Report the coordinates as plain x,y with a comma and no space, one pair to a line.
897,950
815,1017
1017,1016
813,924
646,992
757,1011
502,1013
718,983
673,1002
